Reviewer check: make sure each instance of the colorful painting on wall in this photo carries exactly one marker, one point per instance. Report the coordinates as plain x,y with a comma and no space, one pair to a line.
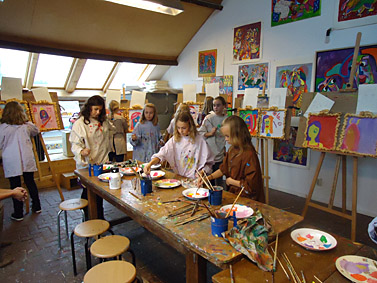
272,123
253,76
356,9
285,152
297,78
322,131
333,68
133,117
247,43
225,86
250,116
194,111
207,63
45,115
287,11
359,135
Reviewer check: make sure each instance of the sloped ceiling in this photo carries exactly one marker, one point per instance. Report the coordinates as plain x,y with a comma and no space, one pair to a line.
99,29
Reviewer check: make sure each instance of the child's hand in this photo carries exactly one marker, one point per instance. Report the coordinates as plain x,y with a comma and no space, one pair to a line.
213,131
147,169
20,194
230,181
134,137
85,152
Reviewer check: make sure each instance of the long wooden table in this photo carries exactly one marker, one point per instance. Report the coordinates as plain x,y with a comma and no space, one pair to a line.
194,240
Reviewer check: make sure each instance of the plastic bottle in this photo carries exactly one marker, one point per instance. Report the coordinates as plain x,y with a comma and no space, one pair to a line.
115,179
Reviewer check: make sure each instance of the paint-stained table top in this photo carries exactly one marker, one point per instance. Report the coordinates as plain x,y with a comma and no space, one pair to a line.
149,212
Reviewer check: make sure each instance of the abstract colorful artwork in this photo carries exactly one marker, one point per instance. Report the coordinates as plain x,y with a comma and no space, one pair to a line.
333,68
194,111
287,11
272,123
297,78
250,116
356,9
359,135
207,63
285,152
253,76
247,43
322,131
45,115
133,117
225,86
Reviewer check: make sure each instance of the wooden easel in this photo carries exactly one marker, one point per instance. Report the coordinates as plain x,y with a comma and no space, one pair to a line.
264,165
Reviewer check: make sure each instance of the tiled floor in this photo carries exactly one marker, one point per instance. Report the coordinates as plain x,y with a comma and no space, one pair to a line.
38,258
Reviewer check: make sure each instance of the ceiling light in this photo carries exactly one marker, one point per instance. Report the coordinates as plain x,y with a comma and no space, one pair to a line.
170,7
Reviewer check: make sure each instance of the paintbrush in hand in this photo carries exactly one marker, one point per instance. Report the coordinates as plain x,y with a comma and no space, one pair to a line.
230,210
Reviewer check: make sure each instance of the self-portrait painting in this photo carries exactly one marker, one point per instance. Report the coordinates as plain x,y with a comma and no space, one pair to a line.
45,115
247,43
287,11
333,68
359,135
321,131
133,117
225,86
207,63
250,116
252,76
272,123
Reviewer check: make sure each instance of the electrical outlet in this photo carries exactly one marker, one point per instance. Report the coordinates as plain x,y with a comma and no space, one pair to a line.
319,182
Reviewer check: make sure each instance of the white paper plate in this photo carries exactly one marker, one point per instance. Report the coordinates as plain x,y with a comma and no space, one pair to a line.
372,233
156,166
167,183
242,211
313,239
128,171
155,174
357,268
105,177
195,193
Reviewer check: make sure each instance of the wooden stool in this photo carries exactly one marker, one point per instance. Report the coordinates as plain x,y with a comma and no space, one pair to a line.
115,271
112,246
69,205
88,229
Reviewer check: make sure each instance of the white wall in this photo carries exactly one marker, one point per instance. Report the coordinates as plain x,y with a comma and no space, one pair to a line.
293,41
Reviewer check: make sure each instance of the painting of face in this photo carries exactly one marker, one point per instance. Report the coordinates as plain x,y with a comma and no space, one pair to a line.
247,42
45,116
272,123
207,63
133,118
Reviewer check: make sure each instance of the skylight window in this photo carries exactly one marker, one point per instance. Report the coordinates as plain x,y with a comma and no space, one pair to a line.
13,64
127,75
95,74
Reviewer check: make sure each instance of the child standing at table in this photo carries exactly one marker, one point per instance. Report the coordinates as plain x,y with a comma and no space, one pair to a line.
146,136
187,151
241,164
118,140
18,157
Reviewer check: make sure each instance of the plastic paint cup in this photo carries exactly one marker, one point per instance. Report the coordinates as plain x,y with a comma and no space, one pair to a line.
146,186
215,197
97,169
219,225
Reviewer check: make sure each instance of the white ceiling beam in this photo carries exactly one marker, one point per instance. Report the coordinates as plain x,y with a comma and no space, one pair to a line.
111,76
75,74
31,69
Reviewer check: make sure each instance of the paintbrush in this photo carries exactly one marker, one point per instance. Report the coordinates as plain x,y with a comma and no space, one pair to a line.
137,175
281,265
276,249
210,212
296,277
205,175
231,274
135,196
227,215
317,279
195,207
290,270
204,181
303,277
191,219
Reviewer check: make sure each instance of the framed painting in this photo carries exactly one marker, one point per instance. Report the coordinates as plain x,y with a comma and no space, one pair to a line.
195,109
225,86
355,13
133,116
284,152
250,116
2,106
45,115
286,11
24,105
207,63
272,123
253,76
359,134
322,131
333,68
247,43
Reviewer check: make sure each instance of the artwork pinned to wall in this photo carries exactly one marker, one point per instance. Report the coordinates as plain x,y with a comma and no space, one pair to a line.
225,86
207,63
351,13
359,135
133,116
272,123
286,153
333,68
287,11
195,109
322,131
250,116
247,43
45,115
253,76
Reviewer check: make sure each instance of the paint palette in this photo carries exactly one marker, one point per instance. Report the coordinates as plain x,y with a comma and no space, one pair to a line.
155,166
155,174
167,183
105,177
128,171
313,239
357,268
242,211
107,166
195,193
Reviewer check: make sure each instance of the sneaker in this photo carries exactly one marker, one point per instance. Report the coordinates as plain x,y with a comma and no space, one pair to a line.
16,218
37,210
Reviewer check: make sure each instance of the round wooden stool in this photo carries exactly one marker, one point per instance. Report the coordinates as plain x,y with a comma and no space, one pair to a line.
111,246
115,271
70,205
88,229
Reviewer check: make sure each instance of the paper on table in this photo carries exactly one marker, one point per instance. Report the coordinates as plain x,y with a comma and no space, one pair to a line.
112,95
41,93
367,98
189,92
319,103
277,97
138,97
251,97
213,89
11,88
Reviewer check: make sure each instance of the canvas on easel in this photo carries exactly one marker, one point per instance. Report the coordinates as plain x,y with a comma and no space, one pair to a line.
195,109
133,116
272,123
250,116
44,115
24,105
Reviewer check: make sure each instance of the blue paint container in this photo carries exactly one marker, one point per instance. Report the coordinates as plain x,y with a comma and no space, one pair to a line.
97,169
219,225
146,186
215,197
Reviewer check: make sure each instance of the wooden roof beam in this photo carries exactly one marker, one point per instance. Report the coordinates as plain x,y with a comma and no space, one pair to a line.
204,3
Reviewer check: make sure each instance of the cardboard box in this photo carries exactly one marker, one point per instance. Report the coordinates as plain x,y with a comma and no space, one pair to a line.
66,144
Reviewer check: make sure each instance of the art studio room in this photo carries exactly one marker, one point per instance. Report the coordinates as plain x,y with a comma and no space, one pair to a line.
169,141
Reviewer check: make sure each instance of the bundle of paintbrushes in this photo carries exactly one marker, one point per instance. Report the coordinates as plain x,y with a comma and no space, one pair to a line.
205,180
